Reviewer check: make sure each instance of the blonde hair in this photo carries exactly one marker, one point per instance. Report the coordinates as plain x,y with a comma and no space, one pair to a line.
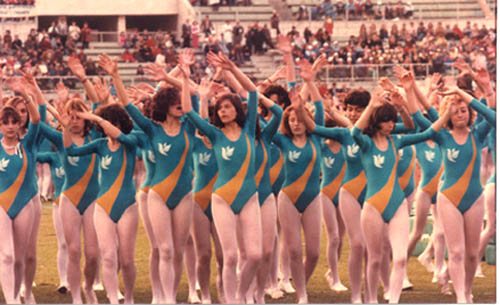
445,104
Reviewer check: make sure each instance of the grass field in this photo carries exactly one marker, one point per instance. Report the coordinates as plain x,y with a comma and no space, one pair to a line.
423,292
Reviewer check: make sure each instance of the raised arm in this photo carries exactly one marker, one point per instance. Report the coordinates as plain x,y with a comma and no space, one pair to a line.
19,86
85,149
486,112
76,67
285,47
110,66
222,61
109,129
275,121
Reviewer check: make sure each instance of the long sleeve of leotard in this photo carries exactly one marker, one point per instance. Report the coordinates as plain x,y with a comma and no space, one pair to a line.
128,139
433,114
251,120
362,140
52,135
45,157
487,113
319,113
334,133
31,136
410,139
143,122
89,148
421,120
274,123
205,127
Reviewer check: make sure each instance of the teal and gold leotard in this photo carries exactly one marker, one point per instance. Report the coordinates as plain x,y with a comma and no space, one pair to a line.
205,174
116,172
56,171
235,182
333,169
383,190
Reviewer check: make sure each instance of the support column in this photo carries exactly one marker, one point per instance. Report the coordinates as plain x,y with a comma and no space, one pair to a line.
122,24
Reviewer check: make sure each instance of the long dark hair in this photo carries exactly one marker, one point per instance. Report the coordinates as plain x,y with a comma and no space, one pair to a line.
384,113
235,100
162,100
117,116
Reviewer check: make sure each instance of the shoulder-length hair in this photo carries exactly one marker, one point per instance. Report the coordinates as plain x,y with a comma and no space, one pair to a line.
162,100
235,100
384,113
445,104
285,125
16,100
9,112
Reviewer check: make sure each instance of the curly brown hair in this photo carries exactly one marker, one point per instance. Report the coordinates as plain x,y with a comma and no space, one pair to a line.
116,115
235,100
285,125
162,100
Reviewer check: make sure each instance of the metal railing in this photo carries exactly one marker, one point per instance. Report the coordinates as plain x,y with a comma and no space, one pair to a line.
113,36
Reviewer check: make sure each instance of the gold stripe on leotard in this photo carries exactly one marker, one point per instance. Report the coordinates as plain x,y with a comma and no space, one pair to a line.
166,187
9,195
456,192
275,170
294,190
203,196
260,172
75,193
380,199
230,190
406,176
107,200
432,186
333,187
355,186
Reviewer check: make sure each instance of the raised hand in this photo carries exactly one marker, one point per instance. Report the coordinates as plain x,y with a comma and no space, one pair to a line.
284,44
28,75
109,65
435,81
17,84
295,98
145,87
204,89
407,81
186,57
88,116
62,92
279,74
399,71
319,63
461,65
101,89
397,100
306,71
220,60
76,67
157,72
377,97
482,79
386,84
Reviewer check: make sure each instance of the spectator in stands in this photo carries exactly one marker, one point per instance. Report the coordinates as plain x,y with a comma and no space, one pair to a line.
186,34
207,27
195,33
74,31
227,31
85,35
351,9
62,30
329,25
127,56
140,70
7,39
275,22
237,33
222,44
302,14
17,43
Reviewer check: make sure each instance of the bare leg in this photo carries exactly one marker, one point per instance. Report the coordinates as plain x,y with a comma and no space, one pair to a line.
201,228
62,248
453,225
268,215
7,275
472,227
312,235
330,220
220,263
127,234
22,228
290,220
490,228
31,256
398,235
154,257
190,264
91,252
350,210
373,227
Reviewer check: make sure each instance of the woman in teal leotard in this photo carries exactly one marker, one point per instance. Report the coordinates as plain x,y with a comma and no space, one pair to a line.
17,190
116,214
460,196
385,201
234,197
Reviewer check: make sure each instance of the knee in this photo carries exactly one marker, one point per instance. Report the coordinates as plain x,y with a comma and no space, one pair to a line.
295,254
127,262
155,253
74,253
358,248
399,262
204,258
230,259
7,259
30,259
335,241
267,255
312,255
456,255
254,256
166,253
472,257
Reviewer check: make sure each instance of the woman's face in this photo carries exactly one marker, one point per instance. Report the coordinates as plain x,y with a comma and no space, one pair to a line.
459,115
385,128
10,128
76,124
175,110
297,127
353,112
23,113
226,112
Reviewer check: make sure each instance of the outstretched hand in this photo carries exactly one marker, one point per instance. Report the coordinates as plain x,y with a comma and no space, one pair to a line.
284,44
101,89
306,71
319,63
62,92
295,98
377,97
76,67
108,64
157,73
220,60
